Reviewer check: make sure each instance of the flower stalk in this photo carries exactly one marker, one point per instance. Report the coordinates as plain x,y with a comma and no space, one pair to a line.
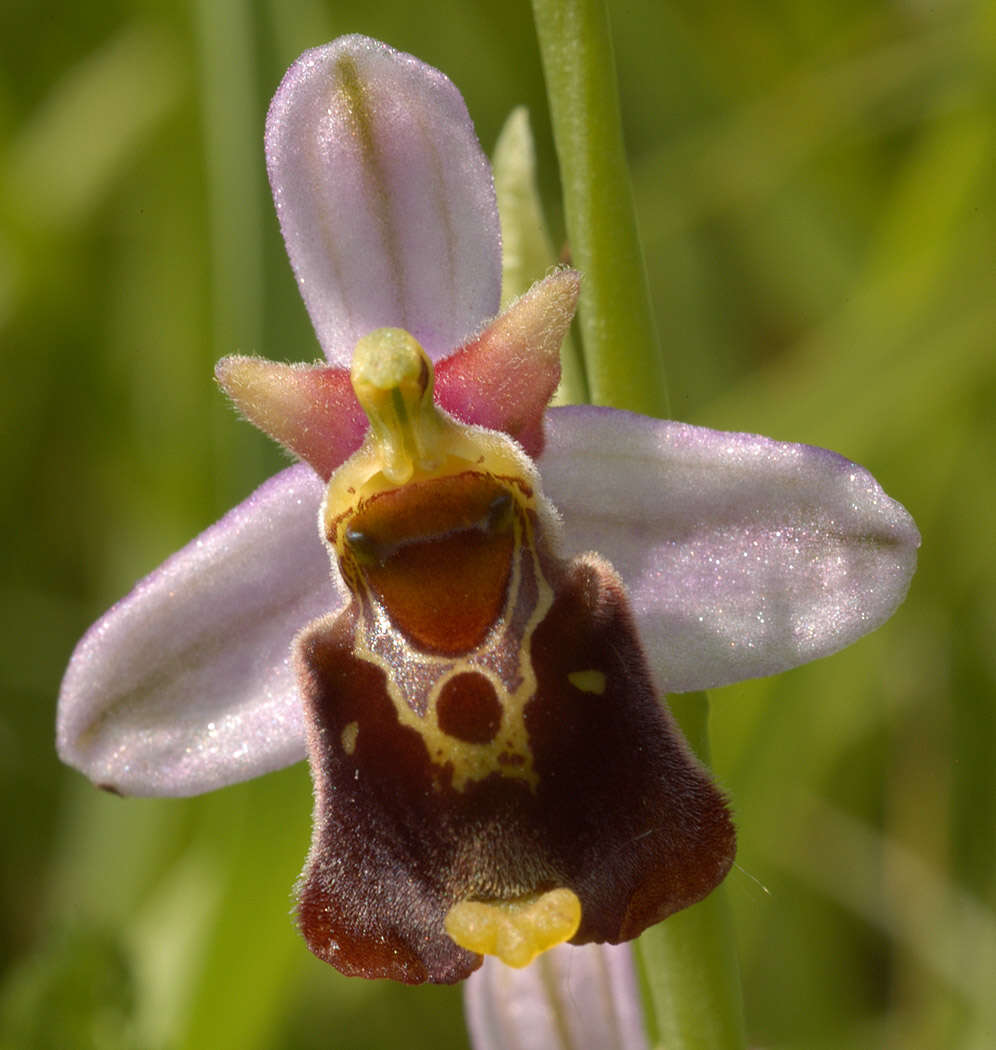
620,345
689,963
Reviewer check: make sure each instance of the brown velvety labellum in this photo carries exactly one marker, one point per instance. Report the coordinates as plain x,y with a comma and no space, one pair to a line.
637,819
370,900
619,812
437,555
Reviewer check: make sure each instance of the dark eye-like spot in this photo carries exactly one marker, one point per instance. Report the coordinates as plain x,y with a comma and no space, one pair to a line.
364,548
468,708
499,516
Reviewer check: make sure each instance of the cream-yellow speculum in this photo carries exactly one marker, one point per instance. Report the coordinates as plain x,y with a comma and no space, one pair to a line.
412,448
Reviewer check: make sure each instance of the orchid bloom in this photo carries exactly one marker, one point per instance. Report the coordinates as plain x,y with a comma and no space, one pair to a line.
478,694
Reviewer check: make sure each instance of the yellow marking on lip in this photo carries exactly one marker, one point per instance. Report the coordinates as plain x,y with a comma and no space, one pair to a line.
588,681
349,734
517,930
474,761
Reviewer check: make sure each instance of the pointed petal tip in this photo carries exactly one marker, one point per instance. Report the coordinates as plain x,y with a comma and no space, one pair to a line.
557,291
235,375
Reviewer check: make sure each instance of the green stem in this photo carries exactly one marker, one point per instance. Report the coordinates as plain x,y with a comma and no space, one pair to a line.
689,961
621,350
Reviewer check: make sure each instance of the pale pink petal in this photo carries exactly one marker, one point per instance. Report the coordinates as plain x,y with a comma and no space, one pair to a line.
385,198
570,998
743,556
186,684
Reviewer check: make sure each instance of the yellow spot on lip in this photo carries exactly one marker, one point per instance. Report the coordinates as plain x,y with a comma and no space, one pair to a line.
349,734
518,930
588,681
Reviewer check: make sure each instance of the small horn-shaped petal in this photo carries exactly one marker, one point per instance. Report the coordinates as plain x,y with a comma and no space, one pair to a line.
310,409
385,198
743,556
186,684
505,378
502,380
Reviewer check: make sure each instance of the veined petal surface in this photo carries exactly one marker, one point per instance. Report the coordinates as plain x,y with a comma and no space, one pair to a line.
743,556
385,198
187,684
570,998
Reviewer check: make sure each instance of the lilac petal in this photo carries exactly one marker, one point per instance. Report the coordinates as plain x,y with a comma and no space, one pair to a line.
385,198
187,683
570,998
743,556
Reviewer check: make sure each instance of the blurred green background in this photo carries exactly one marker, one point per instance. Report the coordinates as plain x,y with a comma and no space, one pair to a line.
816,185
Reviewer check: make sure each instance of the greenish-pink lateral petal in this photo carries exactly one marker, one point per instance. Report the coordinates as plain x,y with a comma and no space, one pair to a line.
309,409
504,378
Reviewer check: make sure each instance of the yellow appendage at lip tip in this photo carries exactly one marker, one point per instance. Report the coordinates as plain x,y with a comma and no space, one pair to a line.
515,931
588,681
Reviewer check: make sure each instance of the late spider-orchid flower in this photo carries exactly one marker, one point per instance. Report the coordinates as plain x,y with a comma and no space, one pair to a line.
479,699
